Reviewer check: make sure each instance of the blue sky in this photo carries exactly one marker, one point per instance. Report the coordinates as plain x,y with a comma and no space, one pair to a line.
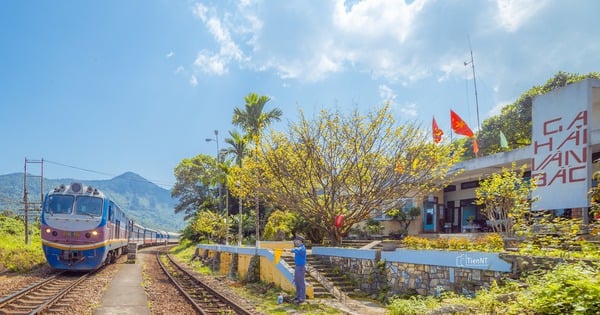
99,88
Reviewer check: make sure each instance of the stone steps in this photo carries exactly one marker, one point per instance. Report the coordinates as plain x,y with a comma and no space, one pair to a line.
337,278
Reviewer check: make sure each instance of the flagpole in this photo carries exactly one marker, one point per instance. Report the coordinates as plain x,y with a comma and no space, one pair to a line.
472,62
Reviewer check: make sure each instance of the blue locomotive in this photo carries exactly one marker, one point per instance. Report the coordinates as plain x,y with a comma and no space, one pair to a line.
82,229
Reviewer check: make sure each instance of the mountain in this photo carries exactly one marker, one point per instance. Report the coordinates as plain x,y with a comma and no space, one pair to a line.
148,204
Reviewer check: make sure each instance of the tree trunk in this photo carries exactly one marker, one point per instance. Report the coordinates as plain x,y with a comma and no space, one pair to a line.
335,237
257,220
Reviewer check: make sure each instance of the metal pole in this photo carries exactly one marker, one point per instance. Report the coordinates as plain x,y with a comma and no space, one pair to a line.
42,187
221,190
25,202
216,139
474,84
240,236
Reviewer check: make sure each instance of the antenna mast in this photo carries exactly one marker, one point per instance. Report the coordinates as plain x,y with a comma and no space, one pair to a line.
472,62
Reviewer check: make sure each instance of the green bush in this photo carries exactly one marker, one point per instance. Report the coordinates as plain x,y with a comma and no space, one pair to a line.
491,242
15,255
568,289
415,305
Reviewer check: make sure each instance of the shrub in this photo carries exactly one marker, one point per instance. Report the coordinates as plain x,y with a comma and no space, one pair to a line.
568,289
15,255
414,242
415,305
491,242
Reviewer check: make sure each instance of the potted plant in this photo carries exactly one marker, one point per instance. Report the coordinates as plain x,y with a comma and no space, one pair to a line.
470,219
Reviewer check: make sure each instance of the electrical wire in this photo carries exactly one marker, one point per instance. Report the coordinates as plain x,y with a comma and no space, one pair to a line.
157,182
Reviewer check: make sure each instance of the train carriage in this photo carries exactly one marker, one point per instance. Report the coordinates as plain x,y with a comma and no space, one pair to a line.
82,228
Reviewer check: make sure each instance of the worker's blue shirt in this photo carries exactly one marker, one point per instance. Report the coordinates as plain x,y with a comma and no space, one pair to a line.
299,255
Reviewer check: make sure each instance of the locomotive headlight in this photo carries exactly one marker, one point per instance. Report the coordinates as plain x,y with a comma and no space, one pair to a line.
48,230
54,233
94,232
87,235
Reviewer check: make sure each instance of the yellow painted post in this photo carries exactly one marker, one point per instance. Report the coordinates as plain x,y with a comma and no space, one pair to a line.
277,255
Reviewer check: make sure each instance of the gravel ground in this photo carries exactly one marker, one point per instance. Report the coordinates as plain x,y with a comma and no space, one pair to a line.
163,297
166,299
87,297
13,281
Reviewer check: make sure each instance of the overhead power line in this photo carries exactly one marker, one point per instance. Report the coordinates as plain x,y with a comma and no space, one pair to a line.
157,182
80,168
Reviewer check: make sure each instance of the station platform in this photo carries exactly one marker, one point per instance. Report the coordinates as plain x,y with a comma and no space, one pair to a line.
125,294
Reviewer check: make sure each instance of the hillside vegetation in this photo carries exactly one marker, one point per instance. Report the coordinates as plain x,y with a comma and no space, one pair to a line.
15,255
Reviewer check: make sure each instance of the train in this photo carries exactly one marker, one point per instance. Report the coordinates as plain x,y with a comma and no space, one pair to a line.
83,229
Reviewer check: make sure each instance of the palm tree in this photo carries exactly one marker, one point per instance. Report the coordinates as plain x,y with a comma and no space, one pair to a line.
253,121
237,149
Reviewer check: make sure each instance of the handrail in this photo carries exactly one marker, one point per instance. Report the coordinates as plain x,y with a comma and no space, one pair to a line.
328,285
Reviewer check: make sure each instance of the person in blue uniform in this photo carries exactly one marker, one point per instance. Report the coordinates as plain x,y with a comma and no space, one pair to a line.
299,268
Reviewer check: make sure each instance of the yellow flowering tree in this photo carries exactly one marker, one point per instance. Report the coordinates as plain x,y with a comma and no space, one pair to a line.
505,197
348,165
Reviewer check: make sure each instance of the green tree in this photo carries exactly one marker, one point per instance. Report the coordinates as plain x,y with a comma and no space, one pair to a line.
515,119
594,195
350,165
237,149
209,225
195,178
280,225
253,119
404,216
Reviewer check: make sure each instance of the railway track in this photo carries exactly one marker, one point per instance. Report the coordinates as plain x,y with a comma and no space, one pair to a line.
42,296
202,297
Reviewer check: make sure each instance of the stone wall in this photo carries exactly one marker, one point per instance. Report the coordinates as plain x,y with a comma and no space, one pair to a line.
432,280
363,273
376,276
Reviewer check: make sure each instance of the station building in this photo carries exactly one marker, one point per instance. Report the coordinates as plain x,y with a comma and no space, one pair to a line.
565,143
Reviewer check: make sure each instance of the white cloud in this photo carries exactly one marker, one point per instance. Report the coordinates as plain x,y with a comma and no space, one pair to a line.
170,54
228,48
377,18
193,81
317,39
388,95
211,64
200,11
216,63
514,13
454,67
409,110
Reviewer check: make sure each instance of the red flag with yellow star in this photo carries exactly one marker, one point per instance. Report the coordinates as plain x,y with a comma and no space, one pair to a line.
436,131
459,125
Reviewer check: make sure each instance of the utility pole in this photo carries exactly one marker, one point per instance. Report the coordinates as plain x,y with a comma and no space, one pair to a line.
26,202
216,139
240,234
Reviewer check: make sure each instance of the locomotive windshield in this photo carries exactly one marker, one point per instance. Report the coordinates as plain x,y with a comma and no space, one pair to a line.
84,205
60,204
91,206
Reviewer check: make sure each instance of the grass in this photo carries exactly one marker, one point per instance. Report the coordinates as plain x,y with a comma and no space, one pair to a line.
264,295
15,255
